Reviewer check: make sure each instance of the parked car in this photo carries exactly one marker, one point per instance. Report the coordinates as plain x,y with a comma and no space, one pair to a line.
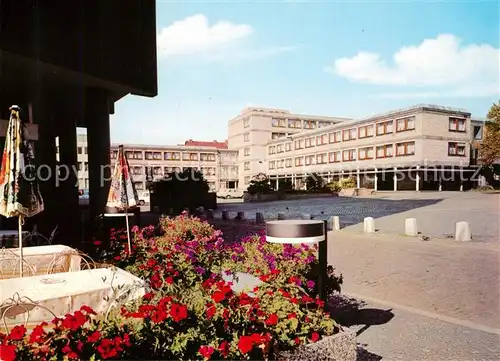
230,193
143,197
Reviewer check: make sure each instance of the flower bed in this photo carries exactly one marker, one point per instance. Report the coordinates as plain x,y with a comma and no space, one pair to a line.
191,312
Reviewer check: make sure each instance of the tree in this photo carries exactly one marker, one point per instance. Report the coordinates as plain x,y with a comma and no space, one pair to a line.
314,182
489,149
285,184
260,185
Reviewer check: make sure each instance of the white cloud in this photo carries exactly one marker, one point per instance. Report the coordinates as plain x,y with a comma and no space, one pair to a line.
442,66
194,34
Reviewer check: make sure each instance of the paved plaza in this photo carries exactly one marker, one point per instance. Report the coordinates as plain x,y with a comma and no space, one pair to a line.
436,212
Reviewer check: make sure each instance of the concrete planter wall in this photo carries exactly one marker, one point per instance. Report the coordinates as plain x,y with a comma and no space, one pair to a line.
339,347
275,196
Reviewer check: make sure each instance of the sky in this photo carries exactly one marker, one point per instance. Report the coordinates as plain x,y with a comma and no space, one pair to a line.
348,59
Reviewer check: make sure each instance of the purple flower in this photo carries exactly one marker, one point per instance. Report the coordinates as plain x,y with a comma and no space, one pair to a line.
310,284
200,270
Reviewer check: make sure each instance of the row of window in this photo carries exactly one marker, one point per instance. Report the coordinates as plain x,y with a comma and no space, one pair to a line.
361,132
187,156
366,153
210,171
299,124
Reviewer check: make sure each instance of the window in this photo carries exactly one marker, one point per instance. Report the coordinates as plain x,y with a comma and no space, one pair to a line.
279,148
86,166
456,124
272,149
385,127
280,163
406,148
246,152
322,139
321,158
334,137
246,180
86,150
137,170
279,123
149,155
299,144
157,155
385,151
246,137
190,156
323,123
114,154
278,135
288,147
309,142
299,161
138,155
334,157
405,124
309,159
349,155
456,149
288,162
246,122
365,153
80,166
365,131
207,157
478,132
172,156
80,150
309,124
294,123
139,186
157,170
167,170
349,134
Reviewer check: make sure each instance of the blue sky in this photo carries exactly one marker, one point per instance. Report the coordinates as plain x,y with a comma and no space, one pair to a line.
348,59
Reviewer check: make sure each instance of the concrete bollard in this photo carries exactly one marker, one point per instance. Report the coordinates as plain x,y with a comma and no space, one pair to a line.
335,223
210,214
281,216
240,216
259,217
411,227
225,215
462,231
305,216
369,225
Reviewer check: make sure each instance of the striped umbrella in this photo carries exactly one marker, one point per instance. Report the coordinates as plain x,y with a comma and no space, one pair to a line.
19,191
122,193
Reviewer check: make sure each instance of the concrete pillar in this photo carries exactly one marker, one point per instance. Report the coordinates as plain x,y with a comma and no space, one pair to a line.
98,140
67,184
411,227
210,214
369,225
461,186
417,180
293,181
281,216
462,231
225,215
259,217
240,215
277,183
375,185
395,179
358,179
335,223
440,183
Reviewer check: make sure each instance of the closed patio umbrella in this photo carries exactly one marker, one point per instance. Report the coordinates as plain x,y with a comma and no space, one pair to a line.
19,190
122,193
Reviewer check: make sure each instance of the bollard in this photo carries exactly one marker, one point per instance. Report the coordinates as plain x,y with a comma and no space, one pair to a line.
335,223
411,227
201,209
462,231
281,216
369,225
210,214
240,216
259,217
305,216
225,215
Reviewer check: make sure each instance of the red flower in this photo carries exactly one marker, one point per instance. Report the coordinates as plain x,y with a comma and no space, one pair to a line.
7,352
292,315
314,337
97,243
88,310
264,278
94,337
17,333
178,312
206,351
211,310
69,352
272,320
169,280
245,344
37,333
75,321
117,258
297,341
224,348
218,296
107,349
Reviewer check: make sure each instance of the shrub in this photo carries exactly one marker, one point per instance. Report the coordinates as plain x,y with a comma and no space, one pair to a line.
334,187
349,182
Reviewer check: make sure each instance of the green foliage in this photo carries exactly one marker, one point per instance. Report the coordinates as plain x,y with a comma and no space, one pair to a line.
285,184
349,182
334,187
314,182
489,149
260,186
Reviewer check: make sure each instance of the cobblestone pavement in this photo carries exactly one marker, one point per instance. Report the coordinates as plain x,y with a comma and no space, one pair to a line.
436,212
459,280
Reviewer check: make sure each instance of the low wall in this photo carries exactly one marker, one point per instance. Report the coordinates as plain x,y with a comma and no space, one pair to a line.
276,196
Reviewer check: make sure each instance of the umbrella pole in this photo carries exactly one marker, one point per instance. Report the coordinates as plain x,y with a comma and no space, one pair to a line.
20,238
128,232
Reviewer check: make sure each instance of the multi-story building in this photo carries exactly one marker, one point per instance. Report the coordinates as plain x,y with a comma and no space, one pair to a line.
250,132
217,163
421,147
